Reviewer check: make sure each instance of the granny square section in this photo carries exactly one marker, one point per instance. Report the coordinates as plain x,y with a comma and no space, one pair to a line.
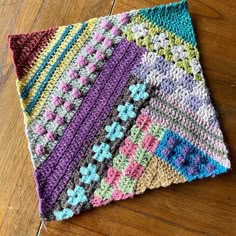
114,106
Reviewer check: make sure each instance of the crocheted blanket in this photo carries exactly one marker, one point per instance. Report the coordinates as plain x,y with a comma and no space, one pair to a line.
114,106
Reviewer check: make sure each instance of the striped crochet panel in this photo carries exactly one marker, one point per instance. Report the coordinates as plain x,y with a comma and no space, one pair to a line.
114,106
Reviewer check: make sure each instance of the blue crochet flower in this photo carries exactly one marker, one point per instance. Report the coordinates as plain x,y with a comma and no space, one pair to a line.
102,152
114,131
66,213
138,92
126,111
76,196
89,174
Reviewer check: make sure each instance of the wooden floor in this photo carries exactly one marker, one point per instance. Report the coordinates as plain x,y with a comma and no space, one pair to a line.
206,207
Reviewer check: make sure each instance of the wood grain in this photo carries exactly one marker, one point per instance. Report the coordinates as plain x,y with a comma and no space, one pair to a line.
206,207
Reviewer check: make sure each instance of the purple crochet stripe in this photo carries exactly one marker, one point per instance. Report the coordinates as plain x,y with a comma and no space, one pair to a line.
111,81
49,165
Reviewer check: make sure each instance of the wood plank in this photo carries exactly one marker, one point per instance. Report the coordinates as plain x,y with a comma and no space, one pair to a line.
117,219
19,205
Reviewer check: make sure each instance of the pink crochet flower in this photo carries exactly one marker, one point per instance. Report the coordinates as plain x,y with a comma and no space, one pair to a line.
115,31
107,42
89,49
124,18
76,93
99,55
143,121
84,80
98,37
149,143
39,130
50,136
68,106
59,120
81,61
40,150
49,115
91,67
73,74
57,101
129,148
113,176
107,25
64,87
134,170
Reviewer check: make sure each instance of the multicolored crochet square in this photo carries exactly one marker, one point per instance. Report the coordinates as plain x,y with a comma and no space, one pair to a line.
114,106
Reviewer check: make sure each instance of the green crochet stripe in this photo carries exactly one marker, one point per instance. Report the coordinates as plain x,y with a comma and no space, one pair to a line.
173,17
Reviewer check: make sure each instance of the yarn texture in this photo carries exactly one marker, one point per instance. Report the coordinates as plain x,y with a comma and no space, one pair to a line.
114,106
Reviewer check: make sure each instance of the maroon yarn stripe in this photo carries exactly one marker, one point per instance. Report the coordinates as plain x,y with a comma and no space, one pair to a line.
115,79
26,47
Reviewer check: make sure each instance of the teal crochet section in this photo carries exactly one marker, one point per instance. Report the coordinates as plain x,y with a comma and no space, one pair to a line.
173,17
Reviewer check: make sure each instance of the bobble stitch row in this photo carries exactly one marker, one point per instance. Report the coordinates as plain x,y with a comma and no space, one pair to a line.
57,101
91,67
50,116
42,131
184,156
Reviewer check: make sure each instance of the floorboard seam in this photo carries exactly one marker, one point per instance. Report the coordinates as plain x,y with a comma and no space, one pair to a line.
39,228
112,7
